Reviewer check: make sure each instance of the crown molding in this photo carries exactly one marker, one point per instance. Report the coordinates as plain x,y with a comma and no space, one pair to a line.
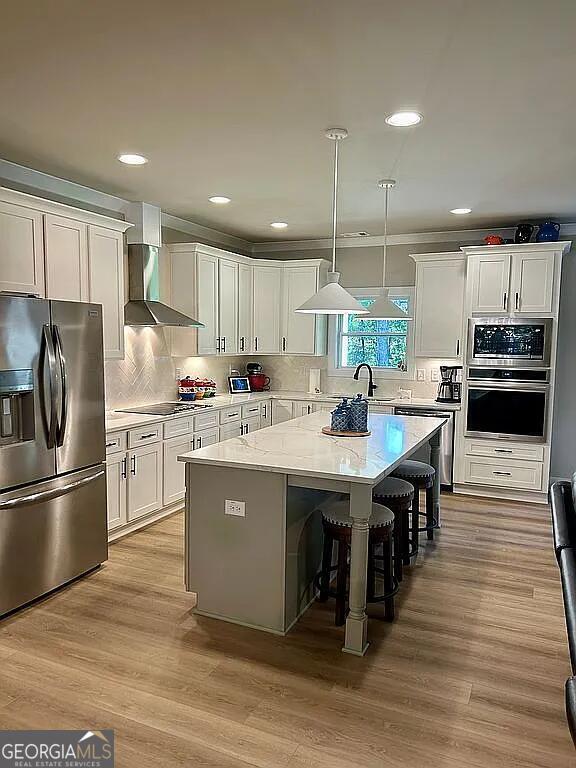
200,232
463,236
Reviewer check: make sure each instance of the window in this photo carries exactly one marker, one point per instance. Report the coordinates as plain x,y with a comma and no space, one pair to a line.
386,345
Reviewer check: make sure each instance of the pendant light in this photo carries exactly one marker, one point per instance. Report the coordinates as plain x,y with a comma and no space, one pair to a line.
383,308
333,299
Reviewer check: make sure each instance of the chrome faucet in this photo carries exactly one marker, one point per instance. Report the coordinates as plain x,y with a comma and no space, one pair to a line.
371,385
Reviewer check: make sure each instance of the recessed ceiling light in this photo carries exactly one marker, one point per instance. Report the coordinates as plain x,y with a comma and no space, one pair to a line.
404,119
219,199
279,224
132,159
461,211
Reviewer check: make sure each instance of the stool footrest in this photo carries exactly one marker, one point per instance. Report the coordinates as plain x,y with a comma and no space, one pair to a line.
432,527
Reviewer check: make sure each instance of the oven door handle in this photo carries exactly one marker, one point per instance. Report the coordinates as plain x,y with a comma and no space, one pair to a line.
506,386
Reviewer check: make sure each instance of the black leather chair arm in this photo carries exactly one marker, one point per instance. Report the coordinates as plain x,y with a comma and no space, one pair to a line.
563,516
568,574
570,690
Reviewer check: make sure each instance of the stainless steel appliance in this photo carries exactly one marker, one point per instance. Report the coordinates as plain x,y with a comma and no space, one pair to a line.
508,404
450,387
510,341
165,409
52,472
446,441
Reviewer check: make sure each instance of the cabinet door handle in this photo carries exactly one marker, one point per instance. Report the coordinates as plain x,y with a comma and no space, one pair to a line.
110,445
502,450
241,429
124,472
223,342
502,473
147,435
217,343
517,302
232,415
256,343
264,410
283,343
505,302
242,343
458,348
133,466
199,441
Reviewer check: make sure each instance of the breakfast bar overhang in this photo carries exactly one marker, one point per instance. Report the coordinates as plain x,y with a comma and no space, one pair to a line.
253,536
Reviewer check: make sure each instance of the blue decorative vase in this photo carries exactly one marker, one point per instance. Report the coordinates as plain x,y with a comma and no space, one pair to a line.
341,417
548,232
359,414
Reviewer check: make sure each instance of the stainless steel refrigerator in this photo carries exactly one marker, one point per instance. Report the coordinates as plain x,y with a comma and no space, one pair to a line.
52,446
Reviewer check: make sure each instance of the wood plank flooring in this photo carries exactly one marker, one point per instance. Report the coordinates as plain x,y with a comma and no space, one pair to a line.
471,673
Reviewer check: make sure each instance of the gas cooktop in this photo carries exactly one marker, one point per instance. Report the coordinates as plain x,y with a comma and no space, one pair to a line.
165,409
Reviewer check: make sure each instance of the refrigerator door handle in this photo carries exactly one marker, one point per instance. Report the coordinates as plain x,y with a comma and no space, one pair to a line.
64,404
53,493
52,378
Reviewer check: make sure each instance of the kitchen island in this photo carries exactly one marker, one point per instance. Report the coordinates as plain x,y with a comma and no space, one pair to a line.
253,534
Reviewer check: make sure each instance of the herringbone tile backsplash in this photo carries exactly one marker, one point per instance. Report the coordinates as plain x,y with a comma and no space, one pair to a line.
145,375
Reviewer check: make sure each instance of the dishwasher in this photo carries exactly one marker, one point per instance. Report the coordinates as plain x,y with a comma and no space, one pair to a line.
446,441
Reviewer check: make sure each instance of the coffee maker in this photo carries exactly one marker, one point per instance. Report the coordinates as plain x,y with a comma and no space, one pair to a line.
450,387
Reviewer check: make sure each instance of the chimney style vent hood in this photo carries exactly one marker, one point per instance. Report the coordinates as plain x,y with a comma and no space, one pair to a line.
144,306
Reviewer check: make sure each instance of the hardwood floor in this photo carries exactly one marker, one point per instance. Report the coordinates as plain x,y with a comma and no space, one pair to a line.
470,674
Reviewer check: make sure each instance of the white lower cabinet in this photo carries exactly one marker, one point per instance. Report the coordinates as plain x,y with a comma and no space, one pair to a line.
231,430
174,470
144,480
282,410
303,409
515,474
206,437
116,490
251,425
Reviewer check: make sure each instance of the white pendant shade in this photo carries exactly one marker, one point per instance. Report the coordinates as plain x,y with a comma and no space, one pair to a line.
385,309
332,299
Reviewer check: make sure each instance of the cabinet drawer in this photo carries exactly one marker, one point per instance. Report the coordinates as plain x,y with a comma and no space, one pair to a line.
205,420
227,415
506,451
251,410
521,475
178,427
116,442
144,435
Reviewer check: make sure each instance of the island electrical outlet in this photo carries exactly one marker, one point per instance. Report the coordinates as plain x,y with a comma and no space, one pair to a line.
236,508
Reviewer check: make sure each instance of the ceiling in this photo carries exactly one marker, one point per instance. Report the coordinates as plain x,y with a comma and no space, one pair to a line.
233,97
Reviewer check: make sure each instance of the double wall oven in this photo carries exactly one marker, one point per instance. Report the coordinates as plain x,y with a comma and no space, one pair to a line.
508,378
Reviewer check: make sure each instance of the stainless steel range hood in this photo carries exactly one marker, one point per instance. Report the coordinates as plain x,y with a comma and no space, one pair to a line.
144,306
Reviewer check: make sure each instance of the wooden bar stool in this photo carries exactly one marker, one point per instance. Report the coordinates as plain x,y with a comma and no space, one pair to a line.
337,525
398,494
421,476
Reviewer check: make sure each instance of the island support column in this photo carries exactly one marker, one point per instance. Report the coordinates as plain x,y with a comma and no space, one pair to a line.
357,621
435,461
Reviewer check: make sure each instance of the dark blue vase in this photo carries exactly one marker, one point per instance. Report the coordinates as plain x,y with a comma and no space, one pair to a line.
548,232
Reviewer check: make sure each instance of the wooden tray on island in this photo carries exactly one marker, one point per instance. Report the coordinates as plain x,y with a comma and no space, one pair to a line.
342,433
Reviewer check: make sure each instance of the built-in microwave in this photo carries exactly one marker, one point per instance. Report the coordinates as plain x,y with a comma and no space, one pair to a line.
509,341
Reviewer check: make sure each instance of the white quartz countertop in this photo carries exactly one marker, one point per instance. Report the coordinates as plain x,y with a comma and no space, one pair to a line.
298,447
116,421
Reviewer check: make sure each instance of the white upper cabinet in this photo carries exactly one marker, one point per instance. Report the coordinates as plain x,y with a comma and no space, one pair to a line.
245,299
66,258
228,337
207,293
438,322
267,298
519,280
298,330
247,305
532,284
490,283
21,249
106,284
